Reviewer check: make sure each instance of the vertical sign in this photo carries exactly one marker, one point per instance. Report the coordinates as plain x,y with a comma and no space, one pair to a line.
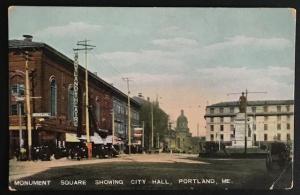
75,100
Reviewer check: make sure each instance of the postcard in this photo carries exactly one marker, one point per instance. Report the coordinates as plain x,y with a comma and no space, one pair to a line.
151,98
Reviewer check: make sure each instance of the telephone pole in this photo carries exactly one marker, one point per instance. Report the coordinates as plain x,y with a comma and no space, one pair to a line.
27,98
113,126
129,115
246,116
152,136
86,47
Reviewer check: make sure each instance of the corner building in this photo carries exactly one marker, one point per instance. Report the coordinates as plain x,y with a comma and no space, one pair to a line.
272,120
51,77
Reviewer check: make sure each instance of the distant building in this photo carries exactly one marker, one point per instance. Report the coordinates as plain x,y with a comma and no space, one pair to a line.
183,135
270,120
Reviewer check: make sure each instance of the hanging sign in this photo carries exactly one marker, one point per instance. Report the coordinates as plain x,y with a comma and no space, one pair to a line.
75,88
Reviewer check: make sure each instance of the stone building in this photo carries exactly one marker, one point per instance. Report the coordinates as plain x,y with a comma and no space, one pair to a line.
268,121
51,79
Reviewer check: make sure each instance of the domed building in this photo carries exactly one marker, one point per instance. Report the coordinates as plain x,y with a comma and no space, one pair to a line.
182,122
183,135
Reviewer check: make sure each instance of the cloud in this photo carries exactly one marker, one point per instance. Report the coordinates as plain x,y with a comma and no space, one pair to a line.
69,29
175,43
277,81
170,31
245,41
146,78
144,58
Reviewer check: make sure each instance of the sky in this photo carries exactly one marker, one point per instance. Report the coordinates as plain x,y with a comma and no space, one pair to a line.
187,58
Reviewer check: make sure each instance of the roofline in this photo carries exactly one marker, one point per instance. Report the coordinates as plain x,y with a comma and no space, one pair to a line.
64,57
253,103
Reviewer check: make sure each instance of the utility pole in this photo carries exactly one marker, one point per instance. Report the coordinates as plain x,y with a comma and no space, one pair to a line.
113,126
27,98
143,140
197,129
86,47
246,116
129,116
152,126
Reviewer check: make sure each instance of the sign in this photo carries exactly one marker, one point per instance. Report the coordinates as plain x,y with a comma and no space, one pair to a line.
75,89
71,137
41,114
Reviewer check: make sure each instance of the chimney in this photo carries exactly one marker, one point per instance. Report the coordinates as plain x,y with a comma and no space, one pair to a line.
27,38
95,73
148,99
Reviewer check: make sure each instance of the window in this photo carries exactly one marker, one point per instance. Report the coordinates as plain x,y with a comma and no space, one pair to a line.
14,108
70,102
211,137
278,108
212,110
278,136
231,127
288,117
278,118
265,137
18,89
265,118
288,137
221,110
265,126
211,119
98,110
222,119
254,109
265,108
222,137
211,127
53,98
288,126
287,108
231,109
231,119
278,126
221,127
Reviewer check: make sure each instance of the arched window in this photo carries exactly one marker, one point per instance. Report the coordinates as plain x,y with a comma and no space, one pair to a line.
97,102
53,97
70,102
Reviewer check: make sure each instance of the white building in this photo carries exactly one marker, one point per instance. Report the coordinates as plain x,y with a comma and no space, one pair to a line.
271,120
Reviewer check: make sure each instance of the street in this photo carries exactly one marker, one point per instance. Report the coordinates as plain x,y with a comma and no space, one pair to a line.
146,171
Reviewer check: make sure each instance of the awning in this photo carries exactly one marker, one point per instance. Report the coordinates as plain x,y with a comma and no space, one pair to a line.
71,137
97,139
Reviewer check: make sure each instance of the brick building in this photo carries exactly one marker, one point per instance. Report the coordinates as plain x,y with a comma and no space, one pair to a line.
51,79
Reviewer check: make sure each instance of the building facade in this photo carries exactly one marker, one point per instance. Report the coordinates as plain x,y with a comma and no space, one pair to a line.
121,117
268,121
51,81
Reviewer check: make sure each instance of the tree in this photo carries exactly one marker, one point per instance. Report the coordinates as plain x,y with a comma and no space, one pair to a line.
160,122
